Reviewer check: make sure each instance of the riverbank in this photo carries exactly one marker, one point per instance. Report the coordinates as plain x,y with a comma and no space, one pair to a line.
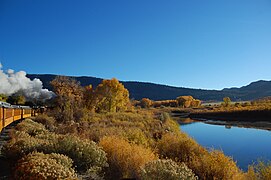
260,119
244,124
241,115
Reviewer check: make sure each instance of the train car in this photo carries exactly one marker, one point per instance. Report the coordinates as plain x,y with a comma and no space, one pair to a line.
26,111
1,118
6,114
17,113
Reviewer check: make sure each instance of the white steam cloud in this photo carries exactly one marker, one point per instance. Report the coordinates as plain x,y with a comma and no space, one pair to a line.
12,82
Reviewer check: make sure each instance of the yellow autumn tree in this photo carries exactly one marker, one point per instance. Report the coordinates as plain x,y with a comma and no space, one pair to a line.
226,101
188,101
184,101
146,103
111,96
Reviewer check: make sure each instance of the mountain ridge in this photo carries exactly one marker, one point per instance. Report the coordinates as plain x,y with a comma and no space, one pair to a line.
154,91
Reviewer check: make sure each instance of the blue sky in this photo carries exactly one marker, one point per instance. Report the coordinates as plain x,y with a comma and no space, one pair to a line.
207,44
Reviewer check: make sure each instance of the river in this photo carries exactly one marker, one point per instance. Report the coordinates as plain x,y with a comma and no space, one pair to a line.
244,145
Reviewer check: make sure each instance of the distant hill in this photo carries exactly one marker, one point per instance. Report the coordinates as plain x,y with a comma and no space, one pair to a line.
139,90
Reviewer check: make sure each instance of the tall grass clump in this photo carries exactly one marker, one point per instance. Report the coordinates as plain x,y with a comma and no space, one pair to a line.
215,165
125,159
179,147
260,171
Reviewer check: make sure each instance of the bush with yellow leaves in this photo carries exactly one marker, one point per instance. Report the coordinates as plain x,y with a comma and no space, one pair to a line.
215,165
179,146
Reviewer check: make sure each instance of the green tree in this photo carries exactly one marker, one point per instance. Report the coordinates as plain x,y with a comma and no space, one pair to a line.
16,99
3,97
111,96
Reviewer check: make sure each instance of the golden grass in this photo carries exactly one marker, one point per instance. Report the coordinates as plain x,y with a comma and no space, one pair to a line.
125,159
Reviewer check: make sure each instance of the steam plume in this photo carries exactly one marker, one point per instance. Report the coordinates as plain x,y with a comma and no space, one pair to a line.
12,82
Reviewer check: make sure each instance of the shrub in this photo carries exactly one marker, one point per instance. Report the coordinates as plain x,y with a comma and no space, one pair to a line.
47,121
179,146
215,165
85,154
171,126
88,157
137,136
260,171
166,169
31,127
44,166
125,159
21,145
146,103
251,174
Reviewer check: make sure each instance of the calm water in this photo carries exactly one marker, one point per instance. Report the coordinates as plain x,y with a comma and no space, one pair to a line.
245,145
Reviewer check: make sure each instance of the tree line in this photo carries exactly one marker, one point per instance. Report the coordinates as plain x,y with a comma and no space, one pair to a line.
181,101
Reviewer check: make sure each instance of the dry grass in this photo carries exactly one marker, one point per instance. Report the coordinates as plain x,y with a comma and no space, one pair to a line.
125,159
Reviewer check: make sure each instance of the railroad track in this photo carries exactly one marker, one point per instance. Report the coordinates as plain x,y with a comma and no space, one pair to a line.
5,164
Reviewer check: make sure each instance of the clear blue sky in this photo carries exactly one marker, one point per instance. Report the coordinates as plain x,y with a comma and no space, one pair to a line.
207,44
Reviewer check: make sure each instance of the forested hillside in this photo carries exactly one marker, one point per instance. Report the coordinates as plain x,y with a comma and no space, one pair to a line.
139,90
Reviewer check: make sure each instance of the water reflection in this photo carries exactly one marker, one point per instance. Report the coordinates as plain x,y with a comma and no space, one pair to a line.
186,121
245,145
228,126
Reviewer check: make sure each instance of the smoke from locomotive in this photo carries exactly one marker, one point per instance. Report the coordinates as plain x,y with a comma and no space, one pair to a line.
12,82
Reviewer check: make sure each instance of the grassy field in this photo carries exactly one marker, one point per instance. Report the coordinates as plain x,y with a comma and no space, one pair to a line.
142,143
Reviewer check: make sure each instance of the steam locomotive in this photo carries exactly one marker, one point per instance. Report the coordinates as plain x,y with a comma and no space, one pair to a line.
10,113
